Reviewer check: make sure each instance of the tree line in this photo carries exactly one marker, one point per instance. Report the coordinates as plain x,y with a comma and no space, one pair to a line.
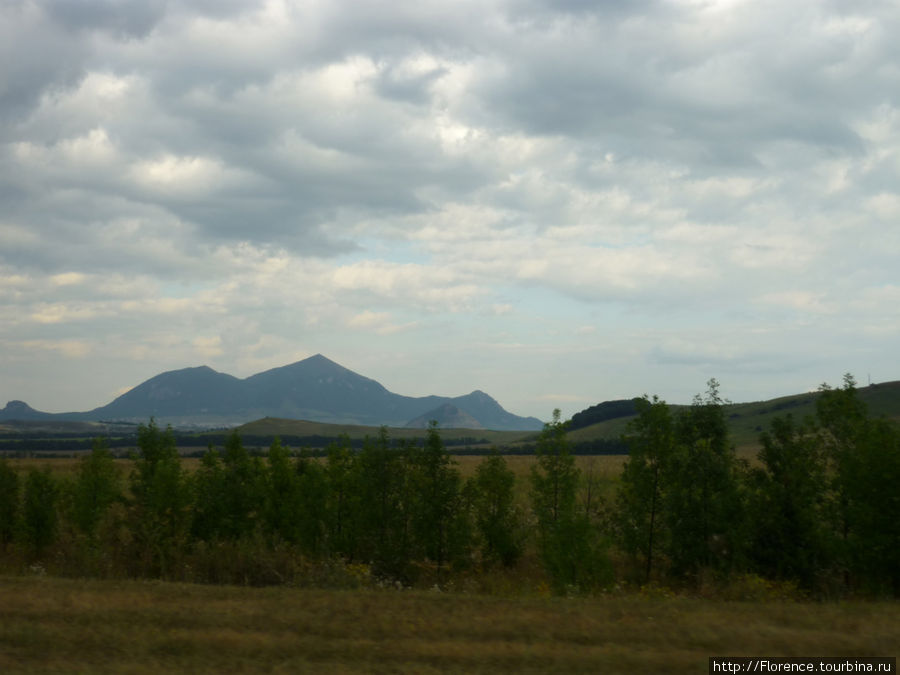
820,510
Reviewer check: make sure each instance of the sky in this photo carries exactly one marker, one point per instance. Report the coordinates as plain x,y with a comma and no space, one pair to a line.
556,202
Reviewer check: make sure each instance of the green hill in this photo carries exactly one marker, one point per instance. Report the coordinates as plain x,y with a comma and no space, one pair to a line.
748,420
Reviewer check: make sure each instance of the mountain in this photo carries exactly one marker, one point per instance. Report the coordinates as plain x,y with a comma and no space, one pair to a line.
190,392
448,416
19,410
315,389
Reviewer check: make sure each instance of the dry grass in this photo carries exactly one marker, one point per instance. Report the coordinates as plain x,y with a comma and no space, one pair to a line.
57,625
603,466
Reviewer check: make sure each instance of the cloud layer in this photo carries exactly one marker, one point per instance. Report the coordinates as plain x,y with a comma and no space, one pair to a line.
551,201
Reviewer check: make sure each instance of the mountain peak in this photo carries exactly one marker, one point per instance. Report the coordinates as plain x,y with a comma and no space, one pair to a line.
21,411
315,388
17,405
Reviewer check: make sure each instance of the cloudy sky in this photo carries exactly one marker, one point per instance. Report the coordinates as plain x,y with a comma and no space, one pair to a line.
558,202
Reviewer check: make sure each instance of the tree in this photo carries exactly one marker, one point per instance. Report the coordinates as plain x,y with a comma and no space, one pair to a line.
312,487
651,441
438,522
242,489
554,479
282,494
384,494
702,506
96,488
842,418
39,517
786,504
497,521
9,503
343,507
571,549
159,514
875,515
208,485
864,463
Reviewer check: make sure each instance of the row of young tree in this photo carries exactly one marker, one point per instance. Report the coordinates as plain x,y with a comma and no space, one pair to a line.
820,509
397,509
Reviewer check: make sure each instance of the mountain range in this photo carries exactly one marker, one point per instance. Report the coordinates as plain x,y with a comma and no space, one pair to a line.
315,389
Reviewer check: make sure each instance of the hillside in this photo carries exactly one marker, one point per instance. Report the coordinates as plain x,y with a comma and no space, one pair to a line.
748,420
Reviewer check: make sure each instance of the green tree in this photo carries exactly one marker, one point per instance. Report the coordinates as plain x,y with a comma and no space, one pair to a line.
242,489
312,487
787,495
702,506
572,550
497,521
97,487
438,522
651,442
9,503
208,486
554,480
39,516
842,418
282,494
864,463
875,515
384,496
342,512
159,513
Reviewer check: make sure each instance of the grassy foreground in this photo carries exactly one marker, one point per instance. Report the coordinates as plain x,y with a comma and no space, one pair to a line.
62,625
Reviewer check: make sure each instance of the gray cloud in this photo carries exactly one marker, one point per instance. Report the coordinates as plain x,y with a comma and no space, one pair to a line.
250,182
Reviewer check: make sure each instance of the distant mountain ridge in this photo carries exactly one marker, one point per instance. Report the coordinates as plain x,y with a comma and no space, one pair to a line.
315,389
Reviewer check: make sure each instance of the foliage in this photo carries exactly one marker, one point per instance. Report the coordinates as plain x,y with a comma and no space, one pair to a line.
96,488
438,522
608,410
571,549
864,461
786,496
651,445
343,505
497,521
702,508
39,519
282,495
242,489
9,502
384,522
159,517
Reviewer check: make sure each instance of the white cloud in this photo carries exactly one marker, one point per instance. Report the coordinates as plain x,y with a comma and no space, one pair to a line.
377,322
208,347
617,194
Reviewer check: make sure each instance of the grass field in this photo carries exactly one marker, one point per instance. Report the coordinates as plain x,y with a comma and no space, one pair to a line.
273,426
60,625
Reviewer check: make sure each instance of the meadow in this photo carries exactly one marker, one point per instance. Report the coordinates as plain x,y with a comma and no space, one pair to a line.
52,625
